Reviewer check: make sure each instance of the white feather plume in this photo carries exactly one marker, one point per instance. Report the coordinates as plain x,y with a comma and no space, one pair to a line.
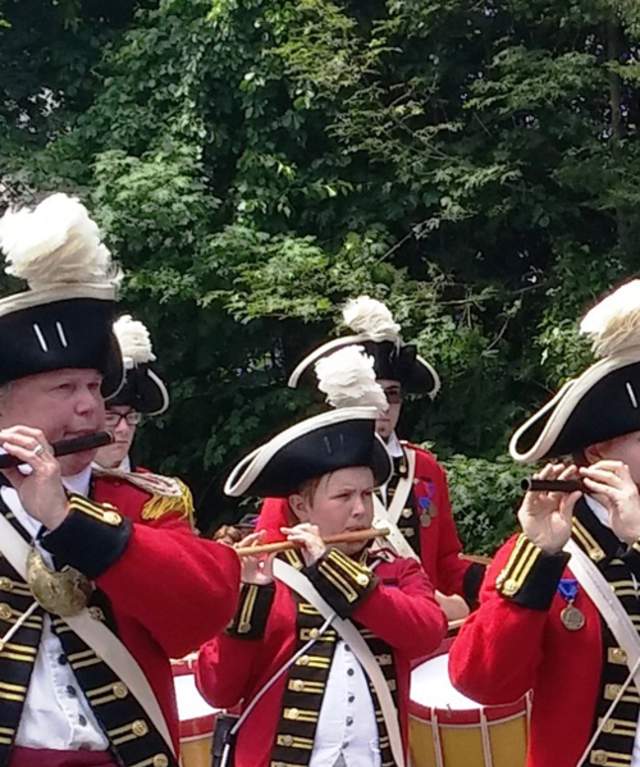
371,318
614,323
348,379
134,340
55,243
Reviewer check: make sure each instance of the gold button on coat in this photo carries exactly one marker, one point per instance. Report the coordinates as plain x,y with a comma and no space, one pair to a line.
120,690
5,584
5,611
140,728
362,579
160,760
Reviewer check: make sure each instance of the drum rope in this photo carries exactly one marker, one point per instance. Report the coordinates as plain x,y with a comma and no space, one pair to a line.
437,744
609,712
226,751
486,740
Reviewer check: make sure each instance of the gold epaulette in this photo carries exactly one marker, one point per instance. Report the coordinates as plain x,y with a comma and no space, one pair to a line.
159,505
169,495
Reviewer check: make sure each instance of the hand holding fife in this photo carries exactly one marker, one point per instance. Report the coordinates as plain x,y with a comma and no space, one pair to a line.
611,484
258,569
309,536
41,491
545,517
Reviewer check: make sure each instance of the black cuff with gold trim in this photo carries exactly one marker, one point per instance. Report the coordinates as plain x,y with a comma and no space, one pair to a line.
530,577
341,581
471,582
92,537
252,612
631,557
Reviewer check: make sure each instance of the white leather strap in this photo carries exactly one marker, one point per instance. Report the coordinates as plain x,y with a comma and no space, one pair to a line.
383,517
102,641
602,595
350,634
394,538
403,488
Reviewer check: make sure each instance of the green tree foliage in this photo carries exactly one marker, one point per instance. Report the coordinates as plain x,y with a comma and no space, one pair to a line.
256,162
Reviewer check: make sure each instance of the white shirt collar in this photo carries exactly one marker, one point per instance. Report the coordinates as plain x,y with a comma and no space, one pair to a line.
125,464
394,448
78,483
599,511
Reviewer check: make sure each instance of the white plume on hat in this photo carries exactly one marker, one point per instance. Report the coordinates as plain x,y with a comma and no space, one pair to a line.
55,243
371,318
134,340
614,323
348,379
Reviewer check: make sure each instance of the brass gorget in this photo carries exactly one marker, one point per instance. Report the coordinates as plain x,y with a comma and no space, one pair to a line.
65,592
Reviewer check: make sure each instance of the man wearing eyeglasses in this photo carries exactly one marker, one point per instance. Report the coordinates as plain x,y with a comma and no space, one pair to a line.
121,422
143,392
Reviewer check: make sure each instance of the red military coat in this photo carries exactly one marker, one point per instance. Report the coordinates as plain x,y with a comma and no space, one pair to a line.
400,610
505,649
170,591
440,547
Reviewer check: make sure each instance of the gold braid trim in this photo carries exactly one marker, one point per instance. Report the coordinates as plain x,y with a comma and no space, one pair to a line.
159,505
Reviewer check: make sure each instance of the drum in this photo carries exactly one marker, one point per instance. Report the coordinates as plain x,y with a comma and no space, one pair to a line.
446,729
197,717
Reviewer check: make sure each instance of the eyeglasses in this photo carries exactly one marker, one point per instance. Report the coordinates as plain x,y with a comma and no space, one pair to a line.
393,394
112,419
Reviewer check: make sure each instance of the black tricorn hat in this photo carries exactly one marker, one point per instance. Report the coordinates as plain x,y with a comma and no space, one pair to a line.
604,401
377,332
64,319
143,389
338,439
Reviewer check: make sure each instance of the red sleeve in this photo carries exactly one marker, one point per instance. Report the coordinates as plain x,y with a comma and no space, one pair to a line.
226,669
274,514
496,656
181,588
450,568
402,610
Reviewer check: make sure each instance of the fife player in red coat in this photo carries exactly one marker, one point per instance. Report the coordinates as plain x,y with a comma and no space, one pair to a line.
417,495
536,628
100,582
321,710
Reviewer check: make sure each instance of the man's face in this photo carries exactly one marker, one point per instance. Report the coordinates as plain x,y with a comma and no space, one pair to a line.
386,424
121,422
342,501
625,449
63,404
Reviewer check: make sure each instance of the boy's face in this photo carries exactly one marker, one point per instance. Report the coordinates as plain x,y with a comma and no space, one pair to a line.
342,501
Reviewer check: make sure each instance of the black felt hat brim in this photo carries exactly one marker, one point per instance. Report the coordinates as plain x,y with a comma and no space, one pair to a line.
391,361
143,391
68,333
603,403
326,443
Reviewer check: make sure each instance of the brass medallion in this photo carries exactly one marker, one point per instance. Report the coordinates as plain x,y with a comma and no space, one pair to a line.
64,593
572,618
